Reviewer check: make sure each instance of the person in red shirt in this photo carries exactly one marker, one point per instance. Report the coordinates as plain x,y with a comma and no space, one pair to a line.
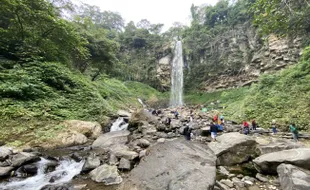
246,128
215,118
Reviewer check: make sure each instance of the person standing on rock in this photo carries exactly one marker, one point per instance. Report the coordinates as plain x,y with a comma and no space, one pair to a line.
213,131
294,132
187,132
274,127
254,125
246,128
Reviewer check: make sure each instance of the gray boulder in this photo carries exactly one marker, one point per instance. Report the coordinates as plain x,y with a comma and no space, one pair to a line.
111,139
268,163
91,162
23,157
87,128
292,177
125,153
124,164
5,171
233,148
5,153
106,174
279,145
143,143
174,165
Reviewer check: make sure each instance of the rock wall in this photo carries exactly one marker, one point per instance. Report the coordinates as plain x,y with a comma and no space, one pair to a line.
235,58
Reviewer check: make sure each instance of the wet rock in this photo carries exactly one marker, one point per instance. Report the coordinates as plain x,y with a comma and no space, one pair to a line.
143,143
91,162
56,187
89,129
292,177
223,170
238,182
113,159
174,165
125,153
142,153
268,163
31,169
5,171
279,145
76,157
233,148
4,164
161,140
261,178
5,152
227,182
222,186
111,139
23,157
123,113
106,174
124,164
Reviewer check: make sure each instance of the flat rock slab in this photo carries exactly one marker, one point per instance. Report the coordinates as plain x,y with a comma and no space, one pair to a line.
292,177
233,148
268,163
279,145
108,140
174,165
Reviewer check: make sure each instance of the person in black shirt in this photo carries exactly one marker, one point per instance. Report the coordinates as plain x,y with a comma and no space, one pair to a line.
213,130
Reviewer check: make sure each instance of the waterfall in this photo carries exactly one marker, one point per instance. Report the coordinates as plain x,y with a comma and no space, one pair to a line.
176,97
119,125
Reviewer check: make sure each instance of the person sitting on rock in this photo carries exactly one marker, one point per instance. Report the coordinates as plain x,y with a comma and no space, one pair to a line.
187,132
254,125
213,131
246,128
176,114
274,127
294,132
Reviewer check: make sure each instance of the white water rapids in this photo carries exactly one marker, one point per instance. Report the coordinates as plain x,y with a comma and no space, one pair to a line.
63,173
176,97
119,125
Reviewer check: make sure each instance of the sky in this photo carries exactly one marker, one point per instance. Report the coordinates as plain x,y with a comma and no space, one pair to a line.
156,11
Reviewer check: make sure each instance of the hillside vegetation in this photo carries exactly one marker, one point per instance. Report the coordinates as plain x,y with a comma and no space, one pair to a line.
284,96
36,96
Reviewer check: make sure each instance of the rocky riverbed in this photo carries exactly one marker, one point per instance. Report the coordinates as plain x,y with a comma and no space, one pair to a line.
148,154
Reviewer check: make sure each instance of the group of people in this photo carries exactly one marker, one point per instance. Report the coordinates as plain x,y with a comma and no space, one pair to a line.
292,128
217,125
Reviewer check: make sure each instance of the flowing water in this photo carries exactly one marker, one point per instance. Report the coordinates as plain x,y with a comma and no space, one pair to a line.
63,173
176,98
119,125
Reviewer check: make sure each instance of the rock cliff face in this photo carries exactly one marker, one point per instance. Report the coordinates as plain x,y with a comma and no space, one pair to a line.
236,58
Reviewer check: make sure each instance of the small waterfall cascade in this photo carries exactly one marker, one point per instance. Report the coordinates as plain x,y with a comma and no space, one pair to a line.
176,97
119,125
63,173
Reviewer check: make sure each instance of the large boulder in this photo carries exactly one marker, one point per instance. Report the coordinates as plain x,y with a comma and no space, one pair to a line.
138,118
268,163
89,129
23,157
70,138
174,165
106,174
91,162
292,177
123,113
5,152
278,145
111,139
5,171
233,148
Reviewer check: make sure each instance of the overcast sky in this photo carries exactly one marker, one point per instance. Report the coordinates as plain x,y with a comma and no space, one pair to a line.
156,11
